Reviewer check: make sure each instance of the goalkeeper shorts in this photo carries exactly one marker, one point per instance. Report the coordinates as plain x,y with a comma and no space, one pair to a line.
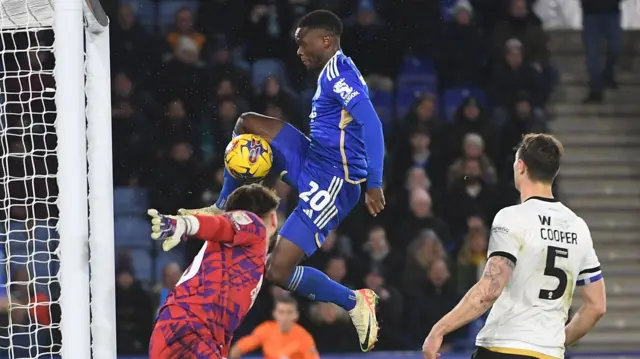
182,339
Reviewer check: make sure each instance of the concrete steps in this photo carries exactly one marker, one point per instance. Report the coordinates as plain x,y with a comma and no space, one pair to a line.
600,180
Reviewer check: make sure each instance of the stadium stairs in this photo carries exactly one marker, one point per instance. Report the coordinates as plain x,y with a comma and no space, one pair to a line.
600,179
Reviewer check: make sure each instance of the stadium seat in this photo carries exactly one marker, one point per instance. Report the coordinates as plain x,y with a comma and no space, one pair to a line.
142,264
407,96
265,68
416,70
132,231
130,201
454,97
383,103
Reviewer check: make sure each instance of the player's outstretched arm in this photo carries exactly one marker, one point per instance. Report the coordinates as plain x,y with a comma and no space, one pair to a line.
174,229
248,343
594,306
476,302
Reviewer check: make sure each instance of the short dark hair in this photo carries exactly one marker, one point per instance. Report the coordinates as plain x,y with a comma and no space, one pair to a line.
541,153
287,299
254,198
322,19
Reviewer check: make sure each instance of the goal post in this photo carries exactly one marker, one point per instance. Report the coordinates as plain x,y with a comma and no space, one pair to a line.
56,185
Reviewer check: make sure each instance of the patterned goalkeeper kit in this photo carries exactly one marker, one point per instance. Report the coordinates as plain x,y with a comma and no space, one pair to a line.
216,291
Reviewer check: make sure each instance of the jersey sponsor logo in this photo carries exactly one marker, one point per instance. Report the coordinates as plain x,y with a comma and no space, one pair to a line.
499,230
346,92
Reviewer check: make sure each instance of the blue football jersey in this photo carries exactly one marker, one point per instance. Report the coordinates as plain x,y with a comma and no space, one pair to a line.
337,143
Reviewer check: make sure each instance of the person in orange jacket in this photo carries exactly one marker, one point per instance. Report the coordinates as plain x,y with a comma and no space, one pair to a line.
279,338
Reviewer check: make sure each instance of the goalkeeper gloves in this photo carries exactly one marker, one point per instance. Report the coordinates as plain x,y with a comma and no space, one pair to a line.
171,229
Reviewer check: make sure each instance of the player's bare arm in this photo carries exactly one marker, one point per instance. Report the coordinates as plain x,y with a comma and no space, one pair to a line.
476,302
594,306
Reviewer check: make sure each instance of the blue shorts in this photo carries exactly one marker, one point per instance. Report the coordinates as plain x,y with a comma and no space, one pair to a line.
324,198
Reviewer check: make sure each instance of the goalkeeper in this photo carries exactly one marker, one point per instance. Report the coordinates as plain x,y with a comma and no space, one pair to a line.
220,286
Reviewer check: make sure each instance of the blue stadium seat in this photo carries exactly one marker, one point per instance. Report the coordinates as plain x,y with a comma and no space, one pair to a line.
454,97
419,71
130,201
265,68
407,95
142,263
383,103
132,231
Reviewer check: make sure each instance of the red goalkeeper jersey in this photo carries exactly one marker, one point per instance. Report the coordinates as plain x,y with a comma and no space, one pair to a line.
222,282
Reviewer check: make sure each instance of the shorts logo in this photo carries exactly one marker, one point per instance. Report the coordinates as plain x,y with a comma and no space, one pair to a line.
345,91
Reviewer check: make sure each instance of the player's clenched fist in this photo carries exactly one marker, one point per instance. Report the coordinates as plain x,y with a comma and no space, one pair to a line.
374,199
169,229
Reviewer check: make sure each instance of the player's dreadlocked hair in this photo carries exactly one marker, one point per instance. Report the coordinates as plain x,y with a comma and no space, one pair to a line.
254,198
322,19
541,153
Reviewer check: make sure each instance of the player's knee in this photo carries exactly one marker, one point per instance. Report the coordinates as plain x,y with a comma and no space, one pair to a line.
248,122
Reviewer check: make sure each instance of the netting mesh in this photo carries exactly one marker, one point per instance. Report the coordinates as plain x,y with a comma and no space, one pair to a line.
29,287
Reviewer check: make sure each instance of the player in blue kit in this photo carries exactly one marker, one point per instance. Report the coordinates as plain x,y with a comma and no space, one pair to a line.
345,149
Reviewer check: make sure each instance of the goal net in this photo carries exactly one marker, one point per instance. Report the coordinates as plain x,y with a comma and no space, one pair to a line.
48,85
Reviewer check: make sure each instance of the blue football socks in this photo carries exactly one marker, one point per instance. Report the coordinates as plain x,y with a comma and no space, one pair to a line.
315,285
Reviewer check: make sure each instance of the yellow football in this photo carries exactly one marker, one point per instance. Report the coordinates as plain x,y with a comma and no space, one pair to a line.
248,157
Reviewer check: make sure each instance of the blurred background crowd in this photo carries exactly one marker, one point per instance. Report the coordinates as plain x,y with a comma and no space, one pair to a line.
456,84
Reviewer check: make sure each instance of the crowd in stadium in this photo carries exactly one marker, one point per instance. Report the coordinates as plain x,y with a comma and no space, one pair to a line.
456,84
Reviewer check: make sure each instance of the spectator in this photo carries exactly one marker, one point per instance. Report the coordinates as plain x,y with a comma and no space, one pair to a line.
601,18
184,75
420,218
380,258
470,118
522,120
471,259
334,246
336,269
422,154
177,125
176,179
473,148
390,311
274,95
132,48
521,25
331,326
28,306
171,274
425,249
183,28
264,31
512,78
223,124
223,68
134,314
437,296
464,54
471,195
367,40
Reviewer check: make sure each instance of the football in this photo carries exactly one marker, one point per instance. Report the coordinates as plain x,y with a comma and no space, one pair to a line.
248,157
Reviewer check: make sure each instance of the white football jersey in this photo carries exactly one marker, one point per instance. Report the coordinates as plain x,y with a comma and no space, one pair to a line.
553,252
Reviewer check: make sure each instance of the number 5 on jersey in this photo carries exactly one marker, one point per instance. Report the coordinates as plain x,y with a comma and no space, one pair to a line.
322,202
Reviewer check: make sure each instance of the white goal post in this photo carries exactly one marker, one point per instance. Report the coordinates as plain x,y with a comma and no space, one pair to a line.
56,186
